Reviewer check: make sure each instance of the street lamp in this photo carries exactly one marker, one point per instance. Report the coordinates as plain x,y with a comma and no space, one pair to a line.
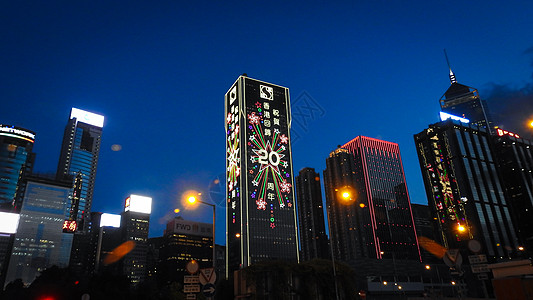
192,200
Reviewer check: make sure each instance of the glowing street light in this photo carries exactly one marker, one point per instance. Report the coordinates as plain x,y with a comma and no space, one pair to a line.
428,267
461,228
192,199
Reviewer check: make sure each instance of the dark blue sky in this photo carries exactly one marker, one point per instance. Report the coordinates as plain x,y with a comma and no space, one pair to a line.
158,71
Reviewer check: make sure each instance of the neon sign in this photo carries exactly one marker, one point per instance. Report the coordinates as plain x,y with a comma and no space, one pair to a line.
70,226
502,132
445,116
12,131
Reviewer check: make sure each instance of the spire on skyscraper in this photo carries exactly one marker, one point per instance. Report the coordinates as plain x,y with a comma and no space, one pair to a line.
452,75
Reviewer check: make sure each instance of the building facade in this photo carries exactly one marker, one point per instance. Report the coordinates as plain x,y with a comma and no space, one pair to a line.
464,188
79,158
16,161
313,238
184,241
385,208
135,223
40,241
261,216
514,157
343,218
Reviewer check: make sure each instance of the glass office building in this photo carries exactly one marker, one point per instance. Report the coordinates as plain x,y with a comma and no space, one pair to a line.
387,224
16,161
464,188
39,241
79,159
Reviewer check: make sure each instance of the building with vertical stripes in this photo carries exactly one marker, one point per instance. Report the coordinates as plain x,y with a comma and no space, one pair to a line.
464,188
386,225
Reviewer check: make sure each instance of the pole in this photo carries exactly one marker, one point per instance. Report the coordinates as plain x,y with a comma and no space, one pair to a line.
214,252
99,249
332,256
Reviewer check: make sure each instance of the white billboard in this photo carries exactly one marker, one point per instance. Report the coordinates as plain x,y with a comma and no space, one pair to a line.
111,220
138,203
87,117
9,222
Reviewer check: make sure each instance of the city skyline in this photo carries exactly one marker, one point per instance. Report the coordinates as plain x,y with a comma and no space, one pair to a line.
152,75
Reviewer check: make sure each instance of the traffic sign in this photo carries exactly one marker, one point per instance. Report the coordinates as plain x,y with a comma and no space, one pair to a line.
191,288
191,297
209,290
190,279
477,259
453,258
207,275
480,268
192,267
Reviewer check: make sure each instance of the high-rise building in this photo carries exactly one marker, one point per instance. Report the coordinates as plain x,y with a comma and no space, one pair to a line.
464,101
464,188
16,161
261,216
424,227
40,241
184,241
343,218
387,219
135,224
79,158
313,239
514,157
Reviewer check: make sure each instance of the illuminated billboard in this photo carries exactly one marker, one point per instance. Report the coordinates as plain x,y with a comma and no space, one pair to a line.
259,180
139,204
17,132
70,226
502,132
9,222
110,220
87,117
445,116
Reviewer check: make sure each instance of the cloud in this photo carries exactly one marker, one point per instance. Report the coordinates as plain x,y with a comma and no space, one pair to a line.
512,108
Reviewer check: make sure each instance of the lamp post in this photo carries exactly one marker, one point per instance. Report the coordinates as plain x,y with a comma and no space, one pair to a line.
192,200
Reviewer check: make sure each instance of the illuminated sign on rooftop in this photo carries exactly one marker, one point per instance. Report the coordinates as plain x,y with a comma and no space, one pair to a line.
139,204
502,132
15,132
445,116
110,220
87,117
9,222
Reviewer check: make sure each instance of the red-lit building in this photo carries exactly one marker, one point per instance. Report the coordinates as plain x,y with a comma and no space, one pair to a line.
380,217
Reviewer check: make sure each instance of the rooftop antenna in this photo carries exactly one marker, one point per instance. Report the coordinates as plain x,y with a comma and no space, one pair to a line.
452,76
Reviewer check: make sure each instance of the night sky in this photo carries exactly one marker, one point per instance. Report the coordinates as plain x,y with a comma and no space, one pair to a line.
158,72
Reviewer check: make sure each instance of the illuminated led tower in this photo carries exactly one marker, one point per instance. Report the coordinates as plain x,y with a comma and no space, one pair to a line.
261,216
388,229
464,188
79,158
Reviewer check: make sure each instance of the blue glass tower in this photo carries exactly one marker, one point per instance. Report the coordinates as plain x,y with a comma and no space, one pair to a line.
16,160
79,159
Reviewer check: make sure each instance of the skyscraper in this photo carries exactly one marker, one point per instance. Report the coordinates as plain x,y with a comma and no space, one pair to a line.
384,205
16,161
343,218
261,216
464,189
313,239
79,159
40,242
515,161
135,223
464,101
